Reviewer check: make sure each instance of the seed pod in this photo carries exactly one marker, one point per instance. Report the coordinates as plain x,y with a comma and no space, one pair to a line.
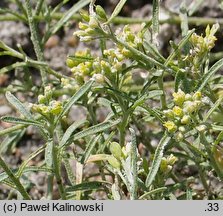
116,150
114,162
179,136
85,16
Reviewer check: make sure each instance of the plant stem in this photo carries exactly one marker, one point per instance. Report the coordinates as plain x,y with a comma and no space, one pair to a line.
49,194
57,172
15,180
173,19
163,96
122,127
35,39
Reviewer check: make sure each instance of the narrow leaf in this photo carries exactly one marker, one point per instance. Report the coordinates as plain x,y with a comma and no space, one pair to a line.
155,191
133,153
16,120
209,74
116,11
180,45
70,130
216,105
89,148
157,159
68,15
11,140
94,185
94,129
18,105
49,154
4,176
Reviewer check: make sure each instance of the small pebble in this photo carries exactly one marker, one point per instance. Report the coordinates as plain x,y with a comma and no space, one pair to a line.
52,41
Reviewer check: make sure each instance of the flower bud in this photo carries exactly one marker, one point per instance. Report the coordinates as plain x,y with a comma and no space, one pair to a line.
171,159
201,128
99,78
85,16
70,63
179,136
188,97
43,109
189,107
116,150
182,129
185,119
48,92
169,113
93,23
82,26
42,99
101,13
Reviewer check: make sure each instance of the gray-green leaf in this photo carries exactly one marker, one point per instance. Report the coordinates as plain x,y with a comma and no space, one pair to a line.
157,159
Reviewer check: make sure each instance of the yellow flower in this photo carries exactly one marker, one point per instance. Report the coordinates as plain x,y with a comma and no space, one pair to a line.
178,111
179,97
170,125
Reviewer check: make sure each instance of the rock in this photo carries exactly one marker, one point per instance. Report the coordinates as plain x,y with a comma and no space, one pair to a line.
4,110
13,33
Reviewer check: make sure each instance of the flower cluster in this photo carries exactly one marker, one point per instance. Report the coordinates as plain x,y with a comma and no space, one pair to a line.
182,114
132,39
204,44
81,65
91,28
46,106
84,65
166,164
